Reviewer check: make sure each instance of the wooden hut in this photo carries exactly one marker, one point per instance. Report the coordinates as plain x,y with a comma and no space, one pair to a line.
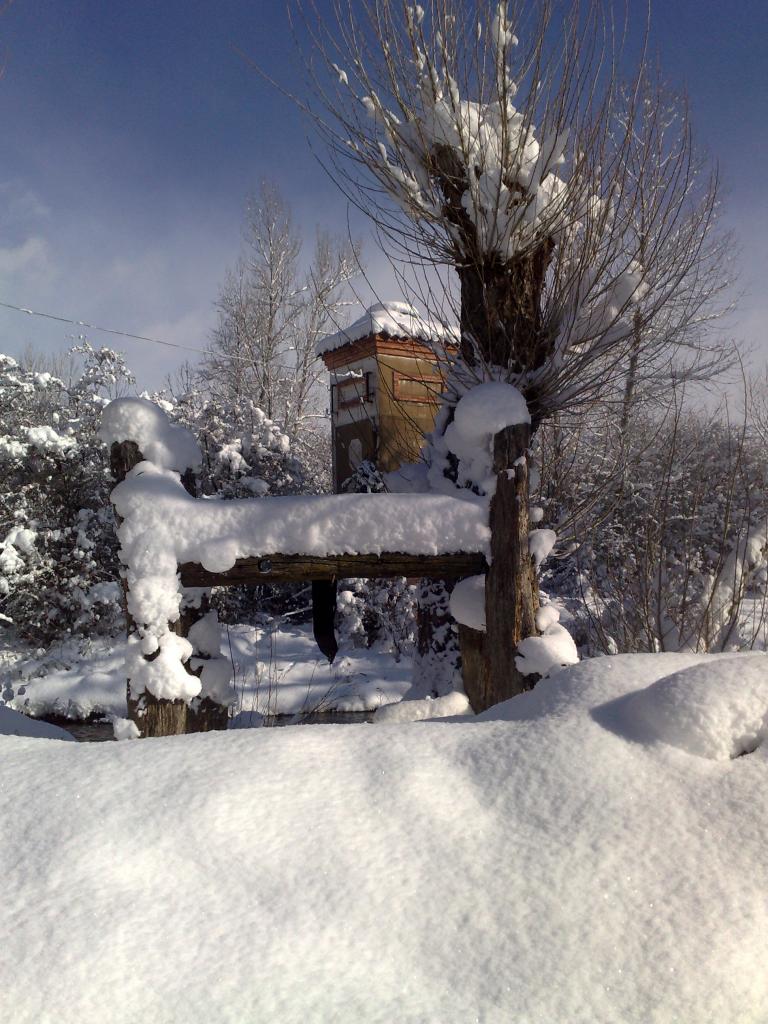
387,372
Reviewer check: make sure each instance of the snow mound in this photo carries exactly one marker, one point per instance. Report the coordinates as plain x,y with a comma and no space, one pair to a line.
489,407
13,723
546,654
125,729
450,705
73,681
379,875
164,443
717,710
479,415
540,544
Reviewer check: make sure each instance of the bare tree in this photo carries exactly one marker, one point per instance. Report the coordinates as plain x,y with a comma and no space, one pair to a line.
271,313
572,209
681,563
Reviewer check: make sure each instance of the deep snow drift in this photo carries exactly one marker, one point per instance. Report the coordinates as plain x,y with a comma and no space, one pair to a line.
544,863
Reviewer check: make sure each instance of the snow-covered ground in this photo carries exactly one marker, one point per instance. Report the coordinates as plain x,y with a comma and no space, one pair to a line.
277,670
591,852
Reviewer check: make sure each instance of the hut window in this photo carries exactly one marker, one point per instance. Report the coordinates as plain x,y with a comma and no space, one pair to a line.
424,389
351,392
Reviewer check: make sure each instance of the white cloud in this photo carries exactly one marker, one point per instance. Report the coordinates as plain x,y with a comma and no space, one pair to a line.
31,255
20,205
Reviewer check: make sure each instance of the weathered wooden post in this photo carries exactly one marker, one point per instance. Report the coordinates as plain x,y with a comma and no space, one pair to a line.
475,668
489,667
152,715
511,590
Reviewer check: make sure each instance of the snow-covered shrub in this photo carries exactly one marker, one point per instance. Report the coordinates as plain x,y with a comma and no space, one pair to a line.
58,564
379,613
366,479
247,455
670,527
437,664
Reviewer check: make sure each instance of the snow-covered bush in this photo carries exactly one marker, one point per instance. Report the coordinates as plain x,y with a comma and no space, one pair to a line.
244,453
379,613
437,664
58,565
247,455
366,479
669,525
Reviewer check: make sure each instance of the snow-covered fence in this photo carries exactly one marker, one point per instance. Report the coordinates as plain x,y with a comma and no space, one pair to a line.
173,545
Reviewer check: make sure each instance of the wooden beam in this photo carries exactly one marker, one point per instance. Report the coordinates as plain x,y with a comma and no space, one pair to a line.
296,568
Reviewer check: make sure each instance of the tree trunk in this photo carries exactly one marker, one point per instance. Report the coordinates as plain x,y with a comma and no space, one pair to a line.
205,715
502,327
154,717
511,591
324,593
500,312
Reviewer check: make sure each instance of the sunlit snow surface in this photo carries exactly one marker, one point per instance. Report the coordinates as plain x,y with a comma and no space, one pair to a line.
278,670
538,865
13,723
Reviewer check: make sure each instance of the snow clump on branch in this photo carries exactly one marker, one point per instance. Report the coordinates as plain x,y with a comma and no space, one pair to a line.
512,194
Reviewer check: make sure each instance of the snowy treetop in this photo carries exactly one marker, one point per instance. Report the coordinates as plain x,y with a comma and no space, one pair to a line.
394,319
510,192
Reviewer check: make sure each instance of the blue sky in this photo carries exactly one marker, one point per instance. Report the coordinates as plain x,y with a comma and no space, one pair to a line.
132,133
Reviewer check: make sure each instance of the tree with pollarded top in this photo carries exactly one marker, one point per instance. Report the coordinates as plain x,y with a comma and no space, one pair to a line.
572,209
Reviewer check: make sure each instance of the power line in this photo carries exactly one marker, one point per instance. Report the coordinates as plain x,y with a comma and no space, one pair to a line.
104,330
136,337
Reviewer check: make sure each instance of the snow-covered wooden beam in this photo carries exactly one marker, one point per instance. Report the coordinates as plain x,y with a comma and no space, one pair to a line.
173,546
279,568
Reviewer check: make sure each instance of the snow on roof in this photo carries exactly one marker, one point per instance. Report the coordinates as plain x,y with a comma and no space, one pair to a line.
396,320
541,865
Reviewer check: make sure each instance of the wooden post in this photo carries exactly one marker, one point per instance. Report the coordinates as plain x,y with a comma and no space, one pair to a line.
151,716
511,590
203,713
324,616
475,668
